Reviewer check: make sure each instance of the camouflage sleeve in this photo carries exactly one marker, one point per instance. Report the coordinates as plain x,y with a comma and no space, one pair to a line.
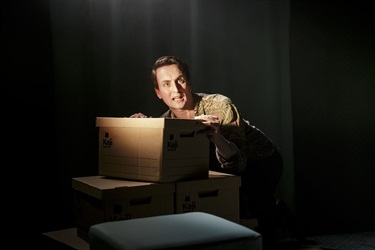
234,130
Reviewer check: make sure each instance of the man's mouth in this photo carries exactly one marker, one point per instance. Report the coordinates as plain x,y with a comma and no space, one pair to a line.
177,98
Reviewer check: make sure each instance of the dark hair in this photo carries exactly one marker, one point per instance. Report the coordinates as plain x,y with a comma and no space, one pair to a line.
169,60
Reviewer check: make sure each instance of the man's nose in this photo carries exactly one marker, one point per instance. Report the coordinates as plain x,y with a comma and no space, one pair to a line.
175,87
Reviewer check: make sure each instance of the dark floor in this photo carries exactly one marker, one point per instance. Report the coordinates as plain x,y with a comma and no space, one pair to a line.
356,241
46,242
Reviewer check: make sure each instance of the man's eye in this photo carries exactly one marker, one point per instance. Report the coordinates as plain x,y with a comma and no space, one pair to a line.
181,81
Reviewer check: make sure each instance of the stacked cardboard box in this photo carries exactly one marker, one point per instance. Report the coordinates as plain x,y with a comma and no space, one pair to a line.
217,195
100,199
150,167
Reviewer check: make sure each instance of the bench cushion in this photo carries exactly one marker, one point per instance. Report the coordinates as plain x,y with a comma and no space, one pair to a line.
196,230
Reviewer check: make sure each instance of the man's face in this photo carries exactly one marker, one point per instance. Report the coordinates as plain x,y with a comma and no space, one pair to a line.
174,89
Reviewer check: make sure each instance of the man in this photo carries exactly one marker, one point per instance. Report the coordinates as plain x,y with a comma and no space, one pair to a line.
237,147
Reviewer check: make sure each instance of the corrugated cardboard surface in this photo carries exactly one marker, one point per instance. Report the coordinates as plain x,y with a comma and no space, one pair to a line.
100,199
217,195
152,149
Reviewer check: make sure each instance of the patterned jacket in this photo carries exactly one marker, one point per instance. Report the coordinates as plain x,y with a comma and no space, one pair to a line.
251,141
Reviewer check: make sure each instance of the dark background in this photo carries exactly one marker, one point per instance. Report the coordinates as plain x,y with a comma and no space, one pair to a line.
302,71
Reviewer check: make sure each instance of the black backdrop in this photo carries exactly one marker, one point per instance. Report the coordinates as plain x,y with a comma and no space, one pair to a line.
333,93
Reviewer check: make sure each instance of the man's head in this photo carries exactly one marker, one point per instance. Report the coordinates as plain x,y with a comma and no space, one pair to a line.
169,60
171,79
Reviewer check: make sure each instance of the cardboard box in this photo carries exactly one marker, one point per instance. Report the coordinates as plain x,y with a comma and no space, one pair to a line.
152,149
218,195
100,199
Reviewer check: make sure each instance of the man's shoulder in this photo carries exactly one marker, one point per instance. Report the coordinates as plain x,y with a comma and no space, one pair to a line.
216,97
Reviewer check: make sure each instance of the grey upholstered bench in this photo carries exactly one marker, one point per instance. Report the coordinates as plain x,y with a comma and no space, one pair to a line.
193,230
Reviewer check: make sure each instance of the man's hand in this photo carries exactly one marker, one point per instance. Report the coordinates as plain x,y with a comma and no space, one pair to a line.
225,148
212,124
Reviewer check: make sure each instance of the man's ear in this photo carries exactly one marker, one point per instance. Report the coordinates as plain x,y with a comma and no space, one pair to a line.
157,92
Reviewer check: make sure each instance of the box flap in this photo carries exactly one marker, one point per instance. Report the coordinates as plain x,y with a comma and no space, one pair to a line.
102,187
147,122
216,179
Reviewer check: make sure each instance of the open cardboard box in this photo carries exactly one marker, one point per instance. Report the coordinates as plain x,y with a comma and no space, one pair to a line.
152,149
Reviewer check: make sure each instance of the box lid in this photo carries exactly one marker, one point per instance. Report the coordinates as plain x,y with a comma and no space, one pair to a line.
102,187
216,179
147,122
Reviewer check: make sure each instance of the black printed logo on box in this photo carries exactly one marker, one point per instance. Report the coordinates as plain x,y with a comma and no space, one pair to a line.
171,144
107,142
117,213
188,205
